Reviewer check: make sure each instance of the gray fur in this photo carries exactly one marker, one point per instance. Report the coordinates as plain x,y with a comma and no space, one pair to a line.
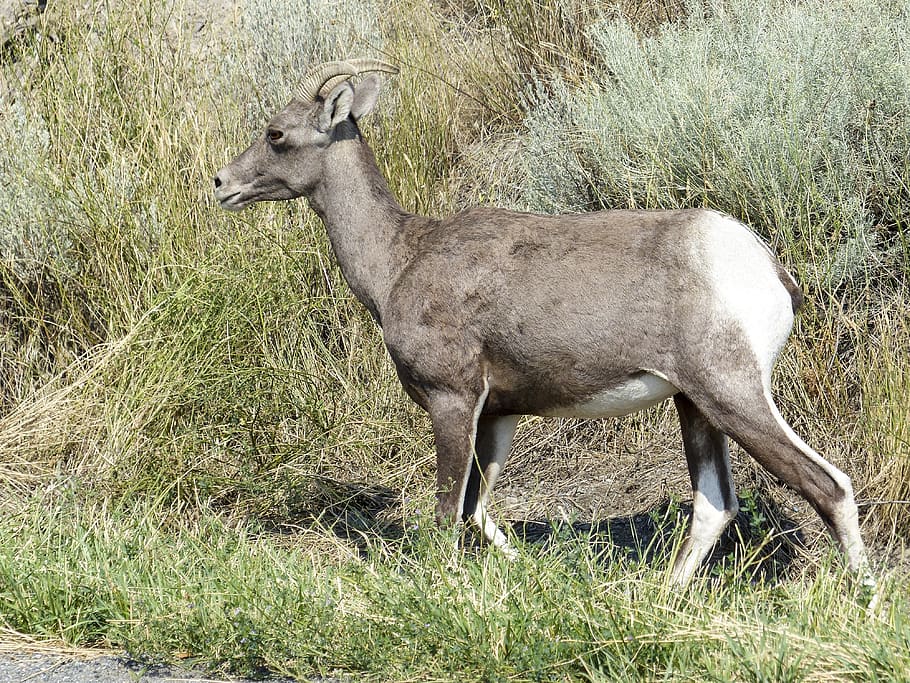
491,313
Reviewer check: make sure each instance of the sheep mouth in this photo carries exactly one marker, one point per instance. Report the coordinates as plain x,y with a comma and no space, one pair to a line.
231,202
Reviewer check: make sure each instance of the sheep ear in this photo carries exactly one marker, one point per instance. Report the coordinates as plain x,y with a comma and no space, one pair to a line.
337,106
365,95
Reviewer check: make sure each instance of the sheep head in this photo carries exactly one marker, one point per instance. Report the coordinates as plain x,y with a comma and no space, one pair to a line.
286,161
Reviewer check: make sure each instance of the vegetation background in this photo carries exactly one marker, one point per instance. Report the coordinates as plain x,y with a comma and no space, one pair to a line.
205,454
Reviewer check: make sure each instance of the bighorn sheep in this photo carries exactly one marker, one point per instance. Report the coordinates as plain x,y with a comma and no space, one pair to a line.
491,314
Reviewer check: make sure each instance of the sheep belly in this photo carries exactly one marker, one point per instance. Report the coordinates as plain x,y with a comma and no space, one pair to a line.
629,396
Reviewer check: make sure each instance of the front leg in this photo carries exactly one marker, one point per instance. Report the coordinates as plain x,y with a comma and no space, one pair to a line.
454,416
494,438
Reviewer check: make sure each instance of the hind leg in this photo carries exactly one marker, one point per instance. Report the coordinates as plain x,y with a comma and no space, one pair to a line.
494,439
714,500
747,413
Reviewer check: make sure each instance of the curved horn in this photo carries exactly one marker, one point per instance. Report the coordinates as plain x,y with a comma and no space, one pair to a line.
364,64
318,76
321,79
330,84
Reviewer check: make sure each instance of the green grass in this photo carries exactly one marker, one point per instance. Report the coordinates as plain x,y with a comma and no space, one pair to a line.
235,598
204,450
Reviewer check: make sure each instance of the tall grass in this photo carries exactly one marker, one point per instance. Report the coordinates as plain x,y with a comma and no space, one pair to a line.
223,355
886,407
789,123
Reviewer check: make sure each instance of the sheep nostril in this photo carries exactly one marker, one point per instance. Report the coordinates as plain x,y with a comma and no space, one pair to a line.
217,182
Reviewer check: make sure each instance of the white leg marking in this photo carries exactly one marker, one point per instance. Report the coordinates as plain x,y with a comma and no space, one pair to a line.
501,441
846,517
478,408
710,517
492,532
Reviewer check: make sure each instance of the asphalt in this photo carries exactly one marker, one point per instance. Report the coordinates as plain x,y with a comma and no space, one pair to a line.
51,668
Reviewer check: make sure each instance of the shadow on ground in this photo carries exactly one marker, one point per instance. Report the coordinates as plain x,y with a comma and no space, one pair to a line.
762,542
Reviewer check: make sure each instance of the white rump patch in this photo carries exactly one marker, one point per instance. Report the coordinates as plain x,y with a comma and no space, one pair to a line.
746,286
629,396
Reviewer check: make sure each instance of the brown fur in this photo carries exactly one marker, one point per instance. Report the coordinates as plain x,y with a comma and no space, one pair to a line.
491,313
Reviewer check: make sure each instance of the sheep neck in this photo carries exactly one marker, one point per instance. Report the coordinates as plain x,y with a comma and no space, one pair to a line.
362,219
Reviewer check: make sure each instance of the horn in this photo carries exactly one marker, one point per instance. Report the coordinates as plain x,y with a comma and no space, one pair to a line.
360,65
365,64
320,80
318,76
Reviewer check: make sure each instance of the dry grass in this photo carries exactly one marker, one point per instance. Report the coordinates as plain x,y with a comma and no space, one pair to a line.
885,400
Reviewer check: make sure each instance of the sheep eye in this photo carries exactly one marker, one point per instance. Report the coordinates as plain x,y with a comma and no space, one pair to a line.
274,135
